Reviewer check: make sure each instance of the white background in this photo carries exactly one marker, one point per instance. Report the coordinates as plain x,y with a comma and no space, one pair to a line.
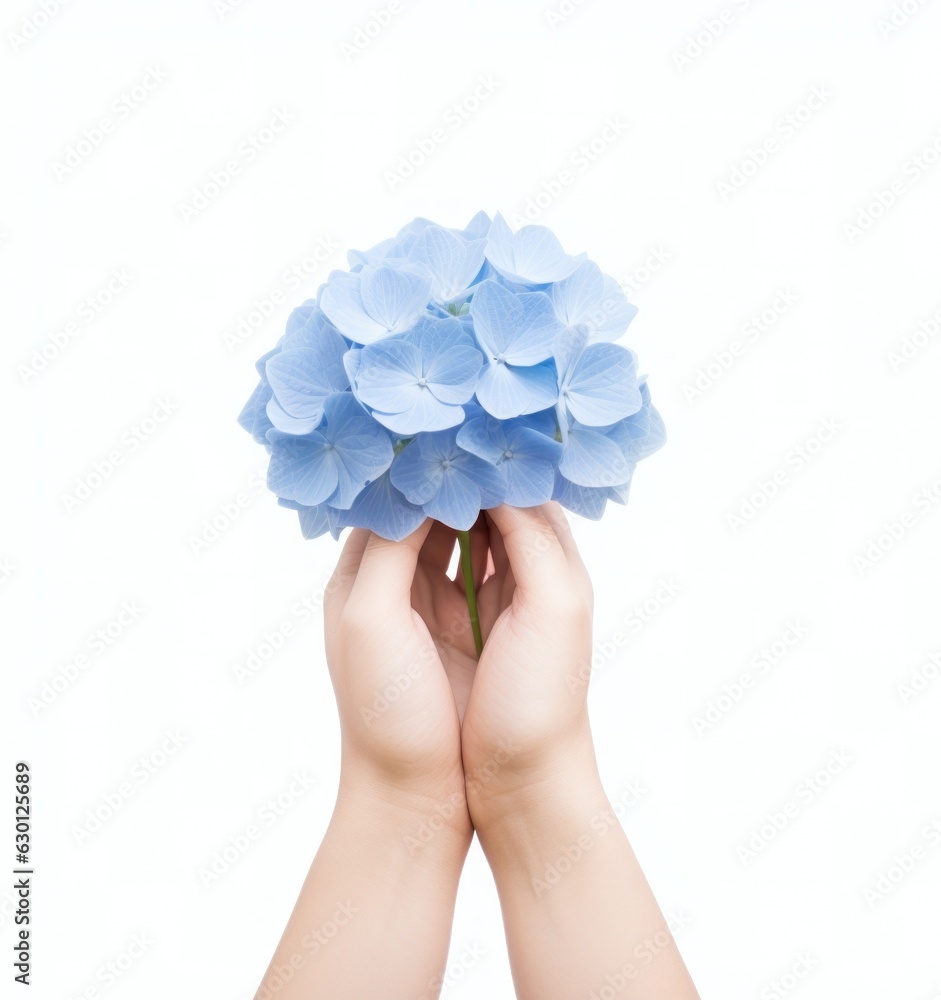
652,196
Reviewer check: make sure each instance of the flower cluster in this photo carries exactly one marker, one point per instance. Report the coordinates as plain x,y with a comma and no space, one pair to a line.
449,371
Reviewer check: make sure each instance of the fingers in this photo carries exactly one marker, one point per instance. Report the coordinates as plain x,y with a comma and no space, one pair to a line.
341,582
438,548
563,530
535,553
386,571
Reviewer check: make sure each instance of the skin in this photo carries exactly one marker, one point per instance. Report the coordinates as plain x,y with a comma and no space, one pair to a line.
436,745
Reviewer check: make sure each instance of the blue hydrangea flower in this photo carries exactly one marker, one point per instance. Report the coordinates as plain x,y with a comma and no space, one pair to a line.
333,463
448,371
517,333
450,484
417,381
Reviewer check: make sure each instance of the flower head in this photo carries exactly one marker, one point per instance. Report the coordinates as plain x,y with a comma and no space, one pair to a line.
448,371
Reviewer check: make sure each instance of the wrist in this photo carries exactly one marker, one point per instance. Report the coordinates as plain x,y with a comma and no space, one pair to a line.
425,815
516,784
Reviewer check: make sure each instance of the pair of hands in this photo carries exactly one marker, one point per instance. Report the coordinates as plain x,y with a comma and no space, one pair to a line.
421,718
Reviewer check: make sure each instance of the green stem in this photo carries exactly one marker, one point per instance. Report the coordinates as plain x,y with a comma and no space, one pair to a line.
463,538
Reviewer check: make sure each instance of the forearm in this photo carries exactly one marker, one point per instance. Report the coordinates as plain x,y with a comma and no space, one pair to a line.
374,915
580,917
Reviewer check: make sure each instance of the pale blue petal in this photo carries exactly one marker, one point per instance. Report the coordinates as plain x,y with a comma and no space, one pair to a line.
302,378
342,303
489,479
456,502
483,437
520,329
531,256
529,483
254,417
602,388
395,296
574,296
420,411
363,449
453,262
589,458
450,361
414,475
302,469
314,521
385,370
384,510
584,500
640,434
292,425
505,391
613,314
478,227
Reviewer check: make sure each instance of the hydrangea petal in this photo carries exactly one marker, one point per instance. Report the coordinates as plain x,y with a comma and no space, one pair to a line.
302,468
574,296
587,501
612,315
520,329
395,296
642,433
531,256
291,425
453,262
342,302
254,417
602,387
383,509
590,458
385,369
302,378
457,501
416,477
505,391
421,411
